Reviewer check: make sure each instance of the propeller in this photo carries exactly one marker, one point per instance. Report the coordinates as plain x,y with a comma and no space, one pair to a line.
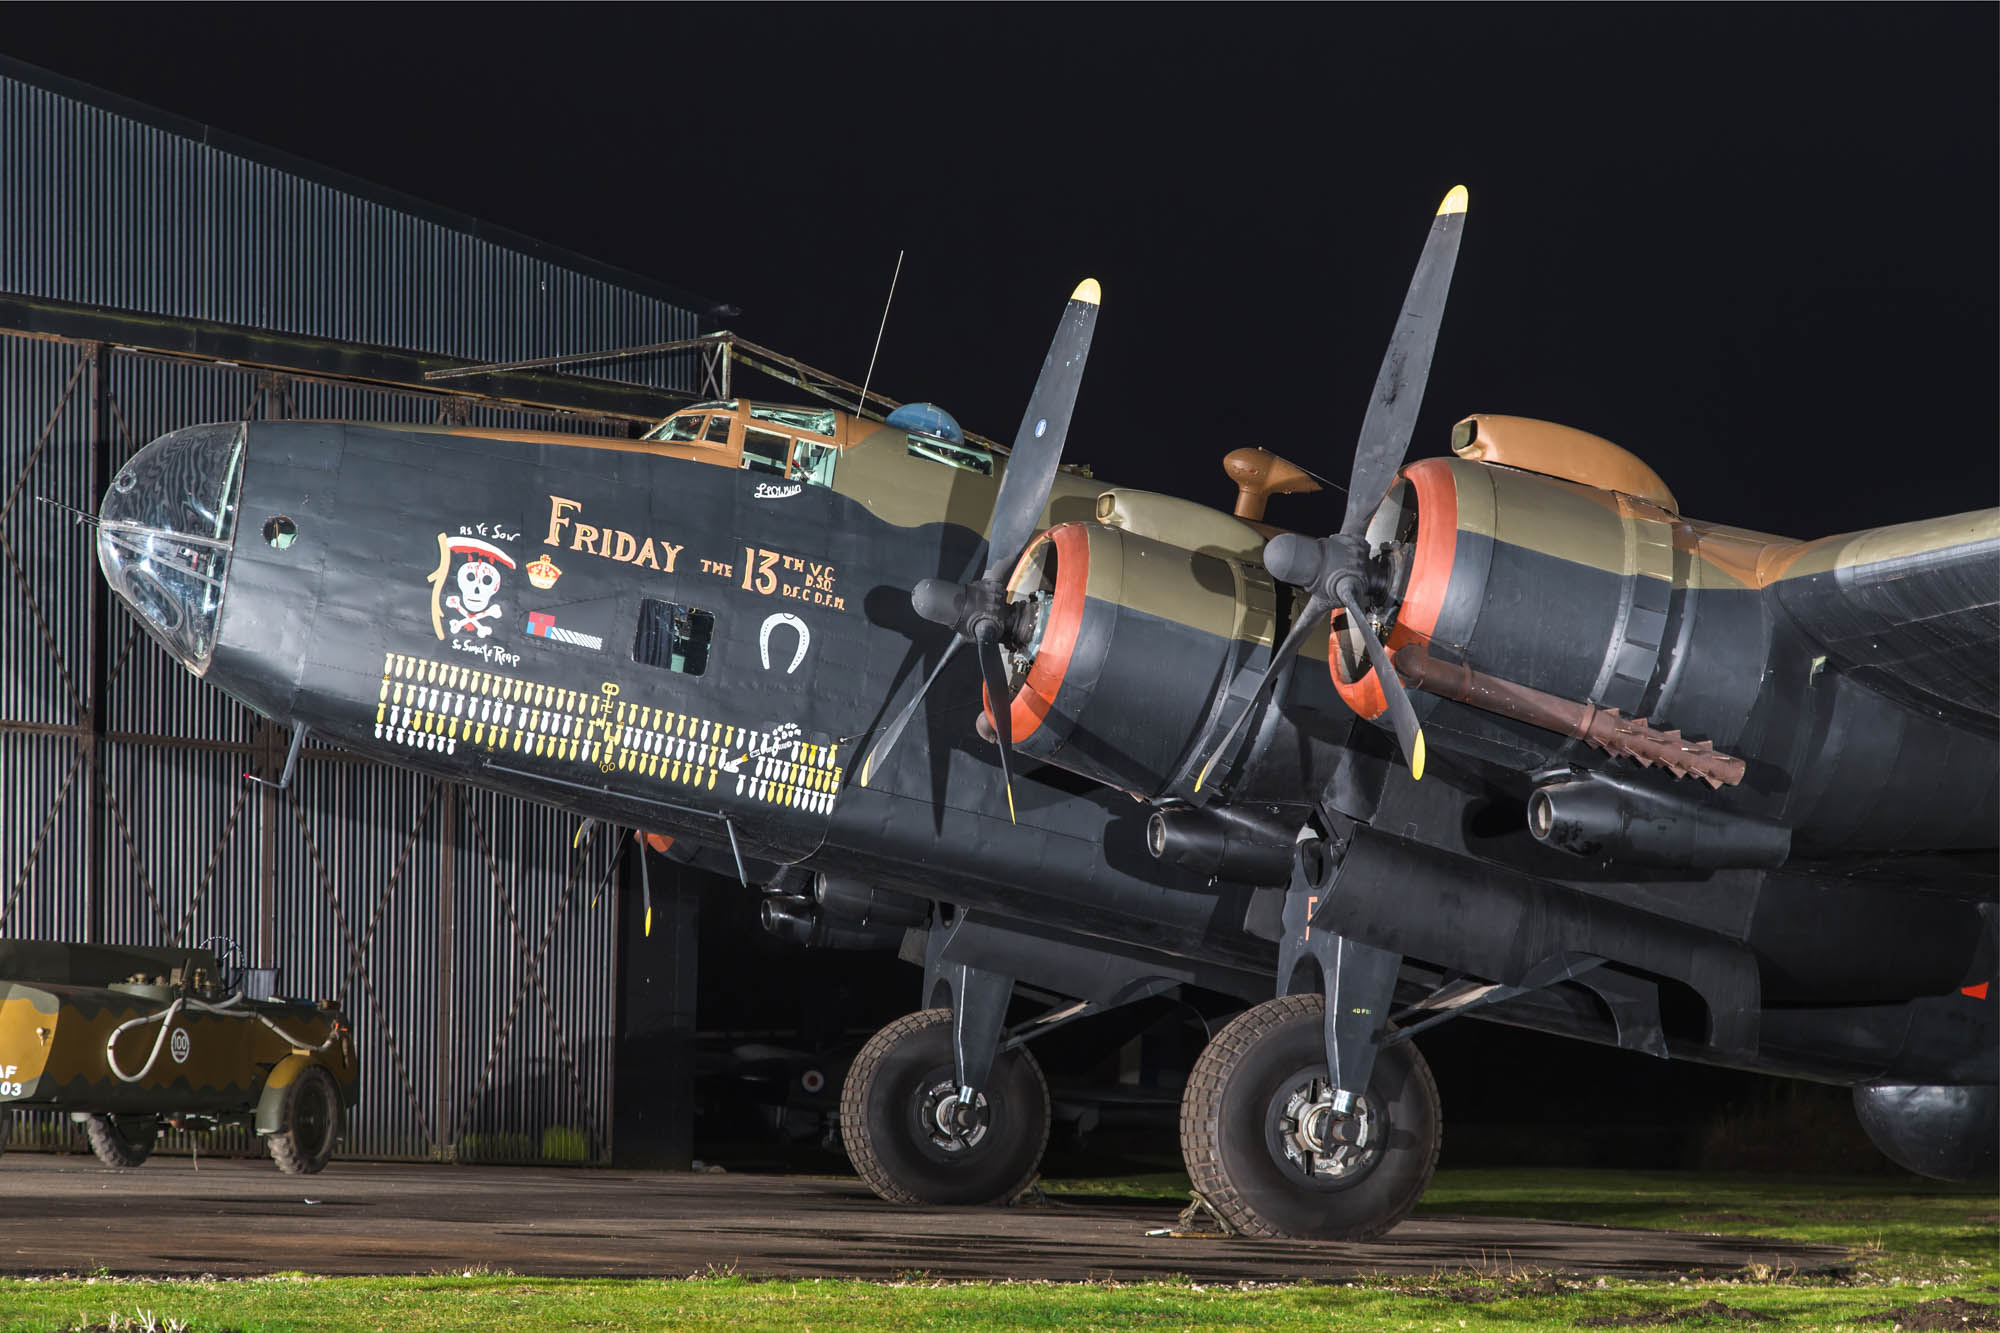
586,829
1338,570
978,612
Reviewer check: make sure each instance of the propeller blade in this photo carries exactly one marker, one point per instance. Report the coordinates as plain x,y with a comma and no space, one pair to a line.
881,748
609,871
1038,445
645,881
1316,606
994,672
1399,386
1402,715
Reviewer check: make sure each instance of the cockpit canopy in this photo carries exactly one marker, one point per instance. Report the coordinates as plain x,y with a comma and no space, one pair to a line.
796,443
804,444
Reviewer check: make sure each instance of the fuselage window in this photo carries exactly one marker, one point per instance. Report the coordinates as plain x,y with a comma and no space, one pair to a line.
969,457
718,430
764,451
812,462
673,637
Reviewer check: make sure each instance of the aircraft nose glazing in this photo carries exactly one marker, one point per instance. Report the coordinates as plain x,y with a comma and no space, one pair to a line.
165,531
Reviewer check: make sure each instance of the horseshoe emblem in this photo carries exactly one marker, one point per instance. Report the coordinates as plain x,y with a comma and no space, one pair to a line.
771,622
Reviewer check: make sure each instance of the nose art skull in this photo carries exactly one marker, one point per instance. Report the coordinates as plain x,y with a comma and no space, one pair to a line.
478,581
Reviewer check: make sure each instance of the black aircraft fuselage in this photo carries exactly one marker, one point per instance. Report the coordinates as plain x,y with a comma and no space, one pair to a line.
638,634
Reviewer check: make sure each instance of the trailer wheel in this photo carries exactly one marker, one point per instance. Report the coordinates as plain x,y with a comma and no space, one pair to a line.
122,1140
898,1118
308,1124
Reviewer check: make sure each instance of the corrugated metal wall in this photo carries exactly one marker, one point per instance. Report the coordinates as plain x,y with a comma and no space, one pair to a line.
454,925
108,210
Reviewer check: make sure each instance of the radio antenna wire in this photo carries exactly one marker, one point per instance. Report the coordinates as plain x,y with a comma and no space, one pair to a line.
861,407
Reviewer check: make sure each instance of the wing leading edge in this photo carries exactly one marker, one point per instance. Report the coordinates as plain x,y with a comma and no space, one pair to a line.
1910,611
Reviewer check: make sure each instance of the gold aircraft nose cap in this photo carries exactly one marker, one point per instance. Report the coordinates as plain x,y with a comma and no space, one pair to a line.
1088,292
1454,202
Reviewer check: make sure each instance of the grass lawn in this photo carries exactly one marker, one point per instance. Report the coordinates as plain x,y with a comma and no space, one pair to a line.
1926,1256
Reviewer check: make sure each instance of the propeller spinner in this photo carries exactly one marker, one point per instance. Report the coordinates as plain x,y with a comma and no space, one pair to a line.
1339,570
979,612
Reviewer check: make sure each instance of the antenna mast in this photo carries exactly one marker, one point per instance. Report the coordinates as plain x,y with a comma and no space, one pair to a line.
861,406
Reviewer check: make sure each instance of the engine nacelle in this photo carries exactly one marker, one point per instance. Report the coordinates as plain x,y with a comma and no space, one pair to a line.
1612,600
1579,592
1134,640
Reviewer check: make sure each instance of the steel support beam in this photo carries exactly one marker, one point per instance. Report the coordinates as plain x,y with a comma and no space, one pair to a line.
327,360
97,703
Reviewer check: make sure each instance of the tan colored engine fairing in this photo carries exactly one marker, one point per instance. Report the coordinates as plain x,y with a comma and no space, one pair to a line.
1559,451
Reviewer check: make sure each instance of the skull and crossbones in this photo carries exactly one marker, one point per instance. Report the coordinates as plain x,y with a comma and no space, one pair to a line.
478,580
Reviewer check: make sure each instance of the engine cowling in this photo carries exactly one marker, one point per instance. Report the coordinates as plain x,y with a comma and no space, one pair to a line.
1601,597
1134,640
1584,593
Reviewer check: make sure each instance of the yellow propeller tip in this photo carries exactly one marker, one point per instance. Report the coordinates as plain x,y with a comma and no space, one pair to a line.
1010,805
649,923
1088,292
1454,202
1417,759
866,769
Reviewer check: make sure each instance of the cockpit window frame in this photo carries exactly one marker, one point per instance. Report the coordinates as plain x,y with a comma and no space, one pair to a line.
966,457
706,417
819,421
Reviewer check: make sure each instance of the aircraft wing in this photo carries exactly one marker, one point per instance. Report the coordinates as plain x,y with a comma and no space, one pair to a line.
1910,611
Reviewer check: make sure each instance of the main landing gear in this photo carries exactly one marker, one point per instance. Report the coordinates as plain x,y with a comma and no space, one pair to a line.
1268,1141
913,1135
1305,1117
1274,1151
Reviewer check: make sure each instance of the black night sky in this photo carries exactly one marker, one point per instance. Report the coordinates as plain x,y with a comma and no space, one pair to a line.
1754,244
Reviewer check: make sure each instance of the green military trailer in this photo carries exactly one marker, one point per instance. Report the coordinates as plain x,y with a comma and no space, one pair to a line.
126,1039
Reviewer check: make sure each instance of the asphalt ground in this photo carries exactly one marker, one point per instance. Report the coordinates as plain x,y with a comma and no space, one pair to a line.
174,1216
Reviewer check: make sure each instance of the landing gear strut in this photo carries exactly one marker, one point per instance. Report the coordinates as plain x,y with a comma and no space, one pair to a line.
1277,1151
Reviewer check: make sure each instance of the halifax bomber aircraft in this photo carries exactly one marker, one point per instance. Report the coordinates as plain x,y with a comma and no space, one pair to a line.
1519,741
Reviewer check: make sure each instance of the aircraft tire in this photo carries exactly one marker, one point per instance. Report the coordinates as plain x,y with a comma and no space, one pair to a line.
309,1124
122,1141
1234,1130
888,1107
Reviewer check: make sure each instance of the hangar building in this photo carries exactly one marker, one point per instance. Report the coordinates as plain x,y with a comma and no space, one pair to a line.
155,273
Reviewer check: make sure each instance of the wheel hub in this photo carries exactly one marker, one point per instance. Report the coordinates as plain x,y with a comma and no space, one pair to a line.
951,1123
1321,1142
